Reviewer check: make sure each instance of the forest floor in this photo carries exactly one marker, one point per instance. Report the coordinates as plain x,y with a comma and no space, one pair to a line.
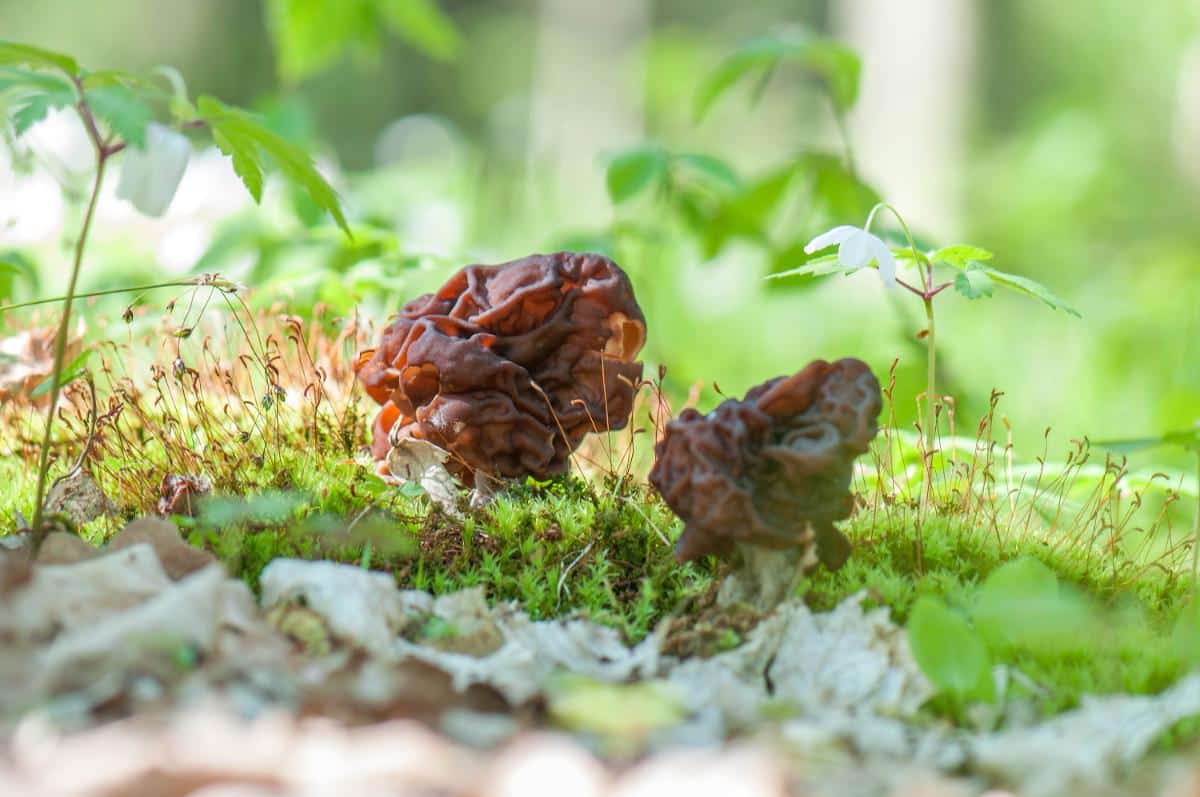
298,626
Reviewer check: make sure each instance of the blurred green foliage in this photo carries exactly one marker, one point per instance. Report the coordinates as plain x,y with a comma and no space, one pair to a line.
427,117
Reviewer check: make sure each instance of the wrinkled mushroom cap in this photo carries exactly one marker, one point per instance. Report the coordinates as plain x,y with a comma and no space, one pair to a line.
773,469
508,367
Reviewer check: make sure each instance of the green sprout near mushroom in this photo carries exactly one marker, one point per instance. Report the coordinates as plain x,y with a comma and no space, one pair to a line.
963,267
119,113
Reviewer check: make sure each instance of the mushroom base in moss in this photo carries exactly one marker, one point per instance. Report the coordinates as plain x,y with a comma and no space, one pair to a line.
763,577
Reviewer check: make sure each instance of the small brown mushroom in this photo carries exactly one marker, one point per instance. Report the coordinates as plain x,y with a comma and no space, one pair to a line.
508,367
772,470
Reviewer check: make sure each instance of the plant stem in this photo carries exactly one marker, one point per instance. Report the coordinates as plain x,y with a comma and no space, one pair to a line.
60,345
930,393
93,294
844,132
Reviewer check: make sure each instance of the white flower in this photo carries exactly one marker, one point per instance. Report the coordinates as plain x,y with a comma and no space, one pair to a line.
857,248
150,175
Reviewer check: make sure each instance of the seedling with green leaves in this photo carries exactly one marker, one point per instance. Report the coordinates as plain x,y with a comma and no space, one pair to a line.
717,206
120,112
963,267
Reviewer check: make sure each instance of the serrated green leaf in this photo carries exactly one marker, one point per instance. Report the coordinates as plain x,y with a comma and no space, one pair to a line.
31,107
244,134
834,65
122,110
424,25
959,255
15,78
1030,288
712,169
245,164
974,283
818,267
633,171
18,54
949,652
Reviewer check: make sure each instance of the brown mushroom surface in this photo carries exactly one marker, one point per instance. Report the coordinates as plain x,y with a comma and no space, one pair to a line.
773,469
508,367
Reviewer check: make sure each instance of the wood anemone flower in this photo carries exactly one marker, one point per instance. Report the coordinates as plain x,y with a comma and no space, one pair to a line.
150,175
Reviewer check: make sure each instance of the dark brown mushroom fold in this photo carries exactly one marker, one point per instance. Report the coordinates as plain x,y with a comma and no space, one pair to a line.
773,469
508,367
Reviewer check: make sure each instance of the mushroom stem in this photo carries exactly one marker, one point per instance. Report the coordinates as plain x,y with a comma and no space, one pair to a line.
765,577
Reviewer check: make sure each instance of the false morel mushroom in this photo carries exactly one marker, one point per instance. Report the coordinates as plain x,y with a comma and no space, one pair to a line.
772,470
508,367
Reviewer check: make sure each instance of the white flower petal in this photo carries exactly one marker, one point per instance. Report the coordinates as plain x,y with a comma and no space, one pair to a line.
826,239
150,176
857,250
886,261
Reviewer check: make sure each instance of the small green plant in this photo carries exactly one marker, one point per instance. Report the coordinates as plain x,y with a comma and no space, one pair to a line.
831,65
118,111
969,272
950,653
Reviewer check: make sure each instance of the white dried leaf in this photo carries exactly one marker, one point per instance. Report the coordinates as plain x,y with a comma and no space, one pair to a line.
359,606
421,462
187,611
82,594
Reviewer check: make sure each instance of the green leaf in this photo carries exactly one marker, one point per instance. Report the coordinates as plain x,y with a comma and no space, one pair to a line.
311,35
1186,438
116,77
1030,288
122,110
818,267
12,78
712,169
16,267
633,171
995,612
748,212
959,255
1022,606
245,165
33,106
1185,633
18,54
73,370
949,652
422,24
248,143
974,283
843,196
832,64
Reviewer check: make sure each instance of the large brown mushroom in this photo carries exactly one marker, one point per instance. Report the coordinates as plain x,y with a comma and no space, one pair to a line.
772,470
508,367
